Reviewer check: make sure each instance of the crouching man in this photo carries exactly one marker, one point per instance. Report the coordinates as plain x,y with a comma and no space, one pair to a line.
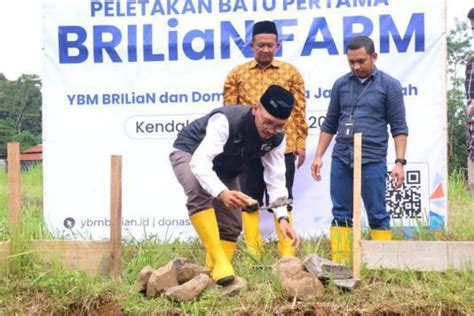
209,155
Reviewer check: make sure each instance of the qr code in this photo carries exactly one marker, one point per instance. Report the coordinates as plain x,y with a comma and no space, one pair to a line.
405,202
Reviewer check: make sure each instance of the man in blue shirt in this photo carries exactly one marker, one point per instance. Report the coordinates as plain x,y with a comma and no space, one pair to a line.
365,100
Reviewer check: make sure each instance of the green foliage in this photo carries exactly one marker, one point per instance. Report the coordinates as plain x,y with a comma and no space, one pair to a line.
459,51
33,224
3,205
461,208
20,111
457,130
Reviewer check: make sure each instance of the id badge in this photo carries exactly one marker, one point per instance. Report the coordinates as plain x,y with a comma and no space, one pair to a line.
349,129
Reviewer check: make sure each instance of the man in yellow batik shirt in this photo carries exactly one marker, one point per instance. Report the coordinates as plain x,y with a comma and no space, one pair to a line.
244,85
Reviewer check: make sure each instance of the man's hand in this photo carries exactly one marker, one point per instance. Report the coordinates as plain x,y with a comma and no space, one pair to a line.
288,232
235,199
300,155
316,168
398,175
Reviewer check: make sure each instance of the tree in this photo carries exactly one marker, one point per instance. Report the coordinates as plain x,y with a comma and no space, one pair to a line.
20,111
459,51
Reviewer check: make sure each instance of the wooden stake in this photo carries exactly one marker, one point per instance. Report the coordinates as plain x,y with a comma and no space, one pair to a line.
14,194
357,255
116,216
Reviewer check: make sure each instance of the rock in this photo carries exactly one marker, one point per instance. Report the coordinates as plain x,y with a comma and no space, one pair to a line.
302,285
161,279
189,290
234,287
189,270
142,280
347,284
211,284
287,266
296,282
326,269
179,262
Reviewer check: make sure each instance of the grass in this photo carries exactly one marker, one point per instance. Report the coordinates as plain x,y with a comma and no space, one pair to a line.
34,287
461,209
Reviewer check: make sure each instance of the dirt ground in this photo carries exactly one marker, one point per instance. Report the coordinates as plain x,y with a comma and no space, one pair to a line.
107,307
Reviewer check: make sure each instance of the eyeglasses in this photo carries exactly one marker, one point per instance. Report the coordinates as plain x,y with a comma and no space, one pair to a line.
269,127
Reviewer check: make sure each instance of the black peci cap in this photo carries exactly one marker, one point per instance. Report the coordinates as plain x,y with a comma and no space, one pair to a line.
470,15
278,101
264,27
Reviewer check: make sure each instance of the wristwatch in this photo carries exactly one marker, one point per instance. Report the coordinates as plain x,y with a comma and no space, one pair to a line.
283,217
401,161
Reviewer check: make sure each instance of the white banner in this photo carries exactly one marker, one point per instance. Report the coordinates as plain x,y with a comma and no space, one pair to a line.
123,77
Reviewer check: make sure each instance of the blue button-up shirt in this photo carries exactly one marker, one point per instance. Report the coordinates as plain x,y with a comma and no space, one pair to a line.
379,102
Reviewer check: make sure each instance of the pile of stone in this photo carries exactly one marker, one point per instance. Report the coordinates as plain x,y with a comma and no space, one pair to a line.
303,280
181,281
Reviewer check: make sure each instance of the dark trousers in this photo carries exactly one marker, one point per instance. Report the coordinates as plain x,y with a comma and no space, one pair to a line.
253,184
373,193
228,220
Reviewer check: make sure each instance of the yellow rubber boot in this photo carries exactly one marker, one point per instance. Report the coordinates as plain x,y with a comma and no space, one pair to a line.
285,249
205,224
381,234
253,238
229,248
341,244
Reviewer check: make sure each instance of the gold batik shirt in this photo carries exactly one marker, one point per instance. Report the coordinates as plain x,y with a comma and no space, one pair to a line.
246,83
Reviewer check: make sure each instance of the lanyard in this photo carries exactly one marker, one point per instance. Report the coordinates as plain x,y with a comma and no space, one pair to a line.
360,95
